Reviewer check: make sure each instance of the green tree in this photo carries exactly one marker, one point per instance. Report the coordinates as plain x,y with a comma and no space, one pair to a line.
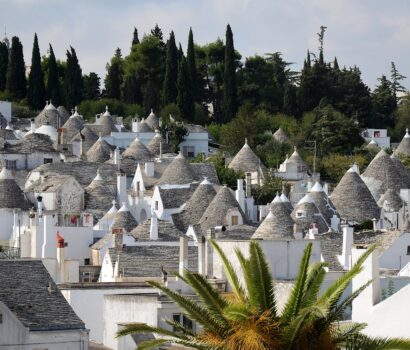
170,91
53,91
113,79
4,61
192,65
396,79
91,86
290,103
16,71
135,39
230,89
151,96
185,99
384,104
73,82
248,317
36,91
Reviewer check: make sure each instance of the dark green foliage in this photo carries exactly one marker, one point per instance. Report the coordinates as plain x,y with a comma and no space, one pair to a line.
91,86
230,106
90,108
36,91
113,79
192,66
396,79
131,89
290,103
174,132
151,97
226,175
4,60
135,39
171,71
384,104
53,91
271,186
73,81
16,71
185,100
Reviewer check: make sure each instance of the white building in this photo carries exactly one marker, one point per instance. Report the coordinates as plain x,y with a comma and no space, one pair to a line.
378,135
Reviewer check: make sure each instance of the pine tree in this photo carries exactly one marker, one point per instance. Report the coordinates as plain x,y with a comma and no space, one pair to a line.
36,91
230,89
170,92
16,70
151,97
180,53
384,103
135,39
335,64
73,79
289,100
185,101
157,32
395,78
113,80
4,61
131,89
192,65
53,83
91,86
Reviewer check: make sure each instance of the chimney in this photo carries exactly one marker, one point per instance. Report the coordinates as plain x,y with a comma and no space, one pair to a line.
297,231
183,254
362,306
201,256
326,188
248,185
313,231
153,230
240,194
334,223
309,185
117,157
60,258
117,237
32,125
347,246
40,207
160,149
121,188
82,150
149,169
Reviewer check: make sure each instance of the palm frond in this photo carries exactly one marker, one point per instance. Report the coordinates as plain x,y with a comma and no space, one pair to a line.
347,330
314,280
194,310
144,328
238,312
294,302
363,342
180,328
151,344
230,273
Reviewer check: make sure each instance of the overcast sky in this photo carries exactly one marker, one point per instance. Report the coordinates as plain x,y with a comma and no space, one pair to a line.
368,33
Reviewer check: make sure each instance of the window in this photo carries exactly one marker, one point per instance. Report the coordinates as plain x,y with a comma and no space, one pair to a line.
138,187
300,214
376,134
186,322
408,250
234,220
11,164
87,261
48,160
188,151
156,205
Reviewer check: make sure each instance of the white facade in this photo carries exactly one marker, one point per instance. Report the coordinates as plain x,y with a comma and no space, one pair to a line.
29,161
15,336
378,135
5,109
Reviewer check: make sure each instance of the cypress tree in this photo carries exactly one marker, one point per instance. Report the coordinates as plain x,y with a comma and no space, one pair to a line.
36,91
185,101
73,79
230,89
53,83
335,64
135,39
131,90
4,61
16,70
113,80
151,98
171,72
180,53
192,65
91,86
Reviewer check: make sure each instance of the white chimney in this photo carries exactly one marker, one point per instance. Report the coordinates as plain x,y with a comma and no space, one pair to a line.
334,223
32,125
201,255
153,230
240,194
347,246
183,254
121,188
149,169
40,208
117,157
313,232
309,185
326,188
362,306
60,258
248,185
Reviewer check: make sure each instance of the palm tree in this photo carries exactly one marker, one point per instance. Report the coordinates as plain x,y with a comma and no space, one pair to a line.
247,318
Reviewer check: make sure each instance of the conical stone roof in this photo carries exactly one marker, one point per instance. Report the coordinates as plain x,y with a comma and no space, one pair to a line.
100,152
404,146
280,136
297,159
277,224
216,212
178,172
323,202
152,120
107,123
306,213
73,125
124,219
90,138
402,170
382,174
144,127
395,203
156,143
246,161
287,202
353,199
11,195
138,151
64,115
48,114
195,206
99,194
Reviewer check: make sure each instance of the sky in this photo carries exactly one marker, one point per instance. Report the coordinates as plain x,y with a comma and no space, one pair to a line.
367,33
